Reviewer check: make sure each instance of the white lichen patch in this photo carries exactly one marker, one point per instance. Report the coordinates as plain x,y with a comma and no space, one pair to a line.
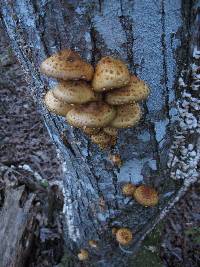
184,157
131,170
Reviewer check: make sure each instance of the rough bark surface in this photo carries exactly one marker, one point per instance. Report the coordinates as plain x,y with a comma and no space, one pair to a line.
153,37
17,227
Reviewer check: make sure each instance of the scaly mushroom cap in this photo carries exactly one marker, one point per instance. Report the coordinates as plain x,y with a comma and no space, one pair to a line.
146,196
128,189
110,73
56,106
94,115
127,116
67,65
93,243
124,236
90,131
83,255
135,91
102,139
74,92
110,130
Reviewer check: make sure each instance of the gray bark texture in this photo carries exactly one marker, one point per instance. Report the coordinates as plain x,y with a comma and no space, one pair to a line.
17,227
159,42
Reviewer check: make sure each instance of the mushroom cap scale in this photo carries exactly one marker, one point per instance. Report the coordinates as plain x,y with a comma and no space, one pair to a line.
56,106
74,92
94,115
110,73
127,116
67,65
135,91
124,236
146,196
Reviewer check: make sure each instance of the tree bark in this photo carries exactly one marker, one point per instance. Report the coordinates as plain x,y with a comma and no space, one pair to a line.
156,39
17,227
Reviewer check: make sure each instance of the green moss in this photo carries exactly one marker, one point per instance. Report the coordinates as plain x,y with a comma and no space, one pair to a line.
148,255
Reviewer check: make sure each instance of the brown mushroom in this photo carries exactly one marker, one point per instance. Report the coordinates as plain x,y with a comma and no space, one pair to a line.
135,91
91,131
110,73
110,130
67,65
127,116
128,189
116,160
146,196
74,92
102,139
83,255
93,243
94,115
56,106
124,236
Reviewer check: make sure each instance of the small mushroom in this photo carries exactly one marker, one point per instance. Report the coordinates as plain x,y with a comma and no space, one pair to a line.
93,243
101,139
67,65
110,130
146,196
127,116
74,92
91,131
124,236
110,73
83,255
135,91
128,189
56,106
94,115
116,160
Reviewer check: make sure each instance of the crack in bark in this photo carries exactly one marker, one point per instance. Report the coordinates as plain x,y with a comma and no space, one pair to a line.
128,29
164,53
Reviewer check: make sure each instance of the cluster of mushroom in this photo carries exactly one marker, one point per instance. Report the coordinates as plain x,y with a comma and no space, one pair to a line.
143,194
97,101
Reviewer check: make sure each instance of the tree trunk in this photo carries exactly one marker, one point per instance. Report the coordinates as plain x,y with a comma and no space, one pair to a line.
156,39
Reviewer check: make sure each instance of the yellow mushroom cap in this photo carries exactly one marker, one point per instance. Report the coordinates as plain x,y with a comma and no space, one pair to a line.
56,106
128,189
94,115
102,139
83,255
67,65
124,236
74,92
110,130
146,196
93,243
135,91
127,116
110,73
